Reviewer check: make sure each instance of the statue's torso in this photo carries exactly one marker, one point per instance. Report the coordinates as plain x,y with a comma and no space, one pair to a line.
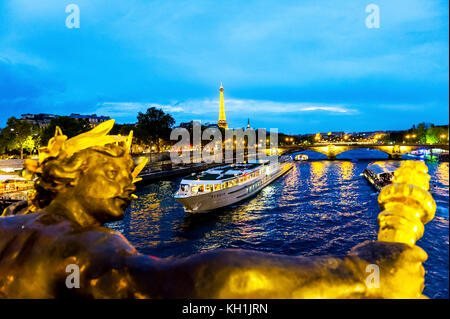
35,250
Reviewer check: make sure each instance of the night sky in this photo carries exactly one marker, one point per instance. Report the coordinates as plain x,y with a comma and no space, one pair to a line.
299,66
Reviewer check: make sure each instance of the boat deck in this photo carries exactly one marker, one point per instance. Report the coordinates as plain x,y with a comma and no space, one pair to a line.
223,172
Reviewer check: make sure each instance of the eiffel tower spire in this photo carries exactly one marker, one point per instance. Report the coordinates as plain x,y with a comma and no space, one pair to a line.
222,119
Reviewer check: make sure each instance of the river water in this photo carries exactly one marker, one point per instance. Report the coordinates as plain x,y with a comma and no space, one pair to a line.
319,208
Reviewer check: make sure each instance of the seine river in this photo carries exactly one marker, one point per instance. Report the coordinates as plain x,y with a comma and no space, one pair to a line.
318,208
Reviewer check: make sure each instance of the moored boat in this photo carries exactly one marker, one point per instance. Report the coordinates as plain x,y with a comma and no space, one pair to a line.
301,157
226,185
380,174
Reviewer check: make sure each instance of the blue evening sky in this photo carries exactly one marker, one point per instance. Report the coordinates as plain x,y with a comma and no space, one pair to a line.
299,66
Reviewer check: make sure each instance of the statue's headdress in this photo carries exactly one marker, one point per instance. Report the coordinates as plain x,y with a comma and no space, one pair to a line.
61,147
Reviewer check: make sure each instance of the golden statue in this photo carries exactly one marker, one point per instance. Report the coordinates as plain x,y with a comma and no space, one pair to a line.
87,180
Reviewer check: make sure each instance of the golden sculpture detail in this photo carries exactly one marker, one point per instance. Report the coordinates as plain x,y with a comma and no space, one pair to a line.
57,163
407,205
86,181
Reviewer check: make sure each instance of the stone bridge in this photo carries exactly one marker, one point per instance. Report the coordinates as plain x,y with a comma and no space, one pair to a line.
331,150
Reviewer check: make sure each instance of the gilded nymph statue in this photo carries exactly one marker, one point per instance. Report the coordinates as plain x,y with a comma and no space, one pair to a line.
86,181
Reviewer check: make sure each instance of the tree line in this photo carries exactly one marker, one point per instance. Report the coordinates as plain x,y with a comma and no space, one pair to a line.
152,131
21,137
420,134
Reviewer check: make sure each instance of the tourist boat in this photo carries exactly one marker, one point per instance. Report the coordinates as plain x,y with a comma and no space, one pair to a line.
12,186
226,185
380,174
301,157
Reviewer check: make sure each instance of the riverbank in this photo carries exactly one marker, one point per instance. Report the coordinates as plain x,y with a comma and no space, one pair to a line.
169,172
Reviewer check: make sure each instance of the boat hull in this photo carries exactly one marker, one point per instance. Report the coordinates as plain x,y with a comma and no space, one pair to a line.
371,181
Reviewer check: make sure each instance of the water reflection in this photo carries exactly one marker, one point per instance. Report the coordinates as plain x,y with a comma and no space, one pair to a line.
346,195
346,170
442,173
317,174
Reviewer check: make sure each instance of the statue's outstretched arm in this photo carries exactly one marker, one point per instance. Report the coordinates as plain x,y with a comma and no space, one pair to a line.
388,268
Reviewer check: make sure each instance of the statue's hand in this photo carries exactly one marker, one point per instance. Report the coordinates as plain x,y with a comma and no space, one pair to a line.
401,274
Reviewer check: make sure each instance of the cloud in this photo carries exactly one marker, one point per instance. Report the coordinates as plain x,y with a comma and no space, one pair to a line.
281,61
14,57
330,109
124,109
206,107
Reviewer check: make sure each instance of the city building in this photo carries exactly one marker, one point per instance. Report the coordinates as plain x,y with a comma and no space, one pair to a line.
41,119
190,124
185,124
93,119
212,125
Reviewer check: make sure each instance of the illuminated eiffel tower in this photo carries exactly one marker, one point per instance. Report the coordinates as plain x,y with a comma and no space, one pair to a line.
222,119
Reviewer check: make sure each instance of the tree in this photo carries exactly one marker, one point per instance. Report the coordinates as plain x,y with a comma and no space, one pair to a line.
421,133
69,126
393,137
122,129
434,135
154,125
20,135
3,143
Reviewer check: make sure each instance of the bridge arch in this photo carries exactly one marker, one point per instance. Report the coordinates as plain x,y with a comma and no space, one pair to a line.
377,153
329,150
309,151
332,150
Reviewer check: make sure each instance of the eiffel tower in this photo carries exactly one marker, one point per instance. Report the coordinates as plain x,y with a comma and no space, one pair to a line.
222,119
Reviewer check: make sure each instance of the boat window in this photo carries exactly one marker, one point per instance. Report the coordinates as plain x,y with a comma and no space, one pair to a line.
232,183
386,176
201,188
216,187
208,188
241,180
194,189
184,187
224,185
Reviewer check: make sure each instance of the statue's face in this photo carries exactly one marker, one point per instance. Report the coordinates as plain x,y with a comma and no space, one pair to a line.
104,189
